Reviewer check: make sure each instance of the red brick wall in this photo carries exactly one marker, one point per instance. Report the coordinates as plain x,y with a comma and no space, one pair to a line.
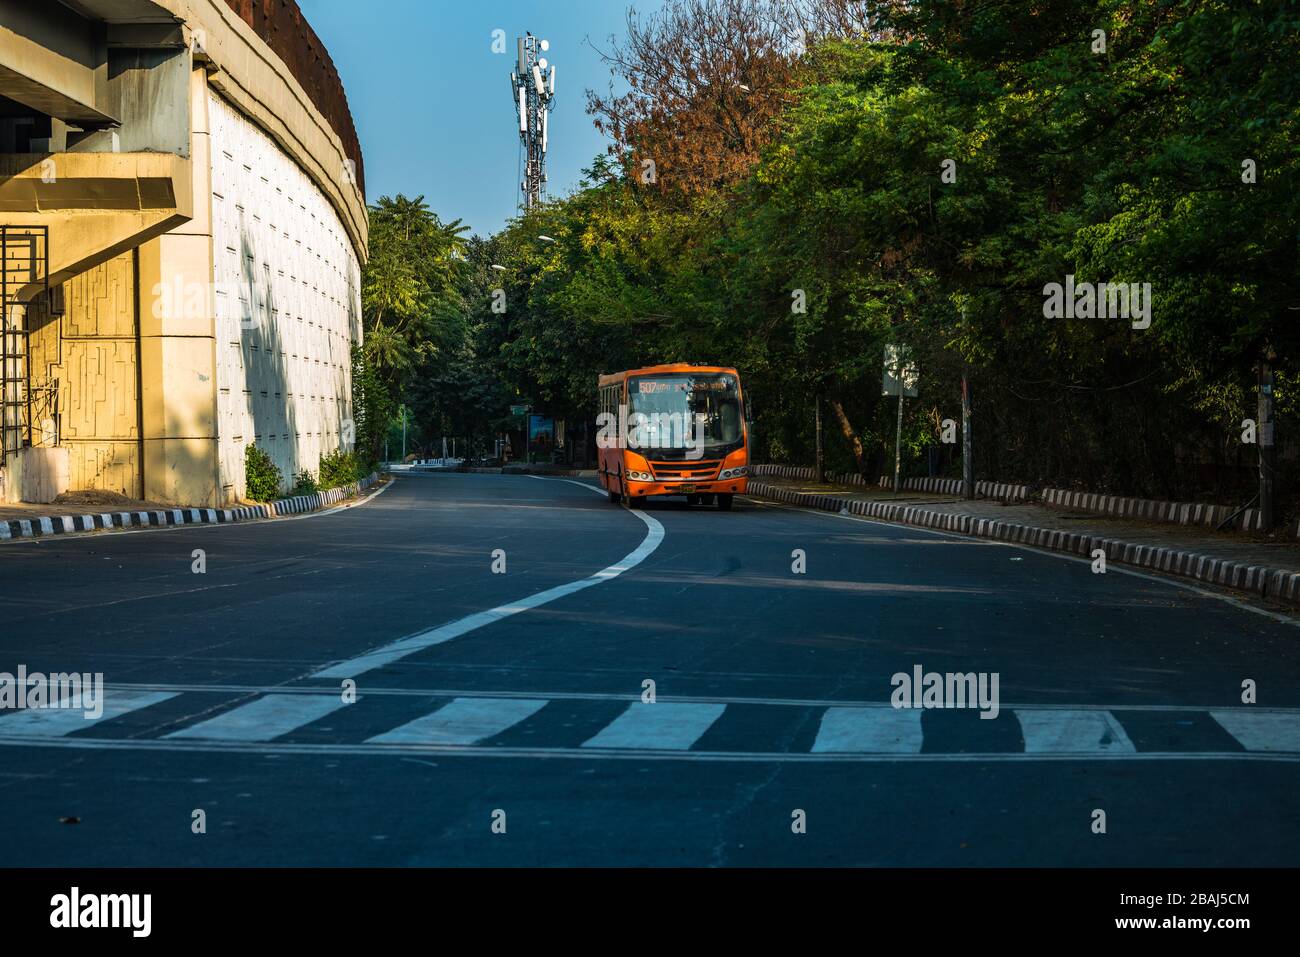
281,24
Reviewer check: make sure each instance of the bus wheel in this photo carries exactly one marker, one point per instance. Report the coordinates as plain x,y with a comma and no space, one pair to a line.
724,502
613,496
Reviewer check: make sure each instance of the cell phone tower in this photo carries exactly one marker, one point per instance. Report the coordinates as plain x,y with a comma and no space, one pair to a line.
533,84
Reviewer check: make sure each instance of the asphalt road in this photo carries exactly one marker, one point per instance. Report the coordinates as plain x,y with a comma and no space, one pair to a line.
499,717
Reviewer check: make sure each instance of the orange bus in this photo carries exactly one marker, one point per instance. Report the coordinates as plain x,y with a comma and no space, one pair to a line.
675,429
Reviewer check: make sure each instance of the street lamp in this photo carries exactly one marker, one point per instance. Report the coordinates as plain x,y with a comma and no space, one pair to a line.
546,239
498,268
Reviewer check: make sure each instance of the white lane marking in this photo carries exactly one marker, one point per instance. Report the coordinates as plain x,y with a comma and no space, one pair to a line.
631,754
660,726
877,730
263,719
463,721
636,696
51,722
387,654
1293,621
1072,732
1260,731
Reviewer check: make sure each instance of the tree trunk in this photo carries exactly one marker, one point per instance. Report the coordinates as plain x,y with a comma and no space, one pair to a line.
854,441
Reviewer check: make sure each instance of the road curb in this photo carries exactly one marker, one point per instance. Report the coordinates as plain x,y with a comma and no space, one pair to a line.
1265,582
45,526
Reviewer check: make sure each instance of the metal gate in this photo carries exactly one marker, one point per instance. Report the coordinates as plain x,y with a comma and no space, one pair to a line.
24,272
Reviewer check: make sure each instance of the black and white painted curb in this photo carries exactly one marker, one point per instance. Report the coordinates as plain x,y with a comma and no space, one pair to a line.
944,486
1116,506
1151,510
1004,491
72,524
1261,580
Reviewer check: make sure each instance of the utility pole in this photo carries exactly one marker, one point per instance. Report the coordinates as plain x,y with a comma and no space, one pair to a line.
821,471
403,433
898,434
533,85
967,461
1266,446
967,454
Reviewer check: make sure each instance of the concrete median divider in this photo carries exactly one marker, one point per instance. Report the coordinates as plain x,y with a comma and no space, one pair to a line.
1266,582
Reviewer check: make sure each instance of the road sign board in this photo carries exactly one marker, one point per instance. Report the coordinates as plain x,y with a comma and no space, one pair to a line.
899,365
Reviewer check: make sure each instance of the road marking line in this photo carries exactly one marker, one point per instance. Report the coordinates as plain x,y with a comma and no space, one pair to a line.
660,726
464,721
1284,619
51,722
630,696
387,654
876,730
264,718
1072,732
1260,731
631,754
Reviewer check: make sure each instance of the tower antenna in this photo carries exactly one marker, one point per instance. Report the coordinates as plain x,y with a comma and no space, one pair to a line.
532,83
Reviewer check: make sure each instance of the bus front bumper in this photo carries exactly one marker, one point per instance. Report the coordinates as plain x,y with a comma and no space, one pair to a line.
714,487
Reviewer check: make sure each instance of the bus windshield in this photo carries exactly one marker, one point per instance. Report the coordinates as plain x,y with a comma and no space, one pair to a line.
713,395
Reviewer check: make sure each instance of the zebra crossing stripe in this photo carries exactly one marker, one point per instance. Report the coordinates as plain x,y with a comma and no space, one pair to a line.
874,730
56,722
1261,730
464,721
1071,732
263,719
468,719
666,726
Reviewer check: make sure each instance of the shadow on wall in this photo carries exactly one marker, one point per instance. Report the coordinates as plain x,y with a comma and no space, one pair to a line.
343,379
266,367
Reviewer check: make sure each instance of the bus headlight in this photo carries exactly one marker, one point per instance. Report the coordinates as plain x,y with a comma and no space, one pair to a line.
732,473
636,476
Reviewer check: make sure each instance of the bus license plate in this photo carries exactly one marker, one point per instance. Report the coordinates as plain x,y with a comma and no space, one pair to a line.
688,489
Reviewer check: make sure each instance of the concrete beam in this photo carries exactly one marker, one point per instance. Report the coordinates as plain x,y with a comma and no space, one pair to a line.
97,205
52,61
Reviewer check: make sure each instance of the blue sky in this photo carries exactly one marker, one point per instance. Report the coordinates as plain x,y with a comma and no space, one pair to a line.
432,102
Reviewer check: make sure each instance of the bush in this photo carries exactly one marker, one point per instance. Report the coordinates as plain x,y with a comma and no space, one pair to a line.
304,483
340,468
261,477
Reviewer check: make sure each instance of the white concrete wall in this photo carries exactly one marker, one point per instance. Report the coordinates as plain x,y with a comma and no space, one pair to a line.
288,304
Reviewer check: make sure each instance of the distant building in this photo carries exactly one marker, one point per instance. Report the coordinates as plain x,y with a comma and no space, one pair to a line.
183,223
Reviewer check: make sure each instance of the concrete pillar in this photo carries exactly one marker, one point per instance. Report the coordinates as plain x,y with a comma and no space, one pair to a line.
178,367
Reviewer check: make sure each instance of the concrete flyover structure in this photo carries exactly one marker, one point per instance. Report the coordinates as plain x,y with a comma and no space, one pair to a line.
182,225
